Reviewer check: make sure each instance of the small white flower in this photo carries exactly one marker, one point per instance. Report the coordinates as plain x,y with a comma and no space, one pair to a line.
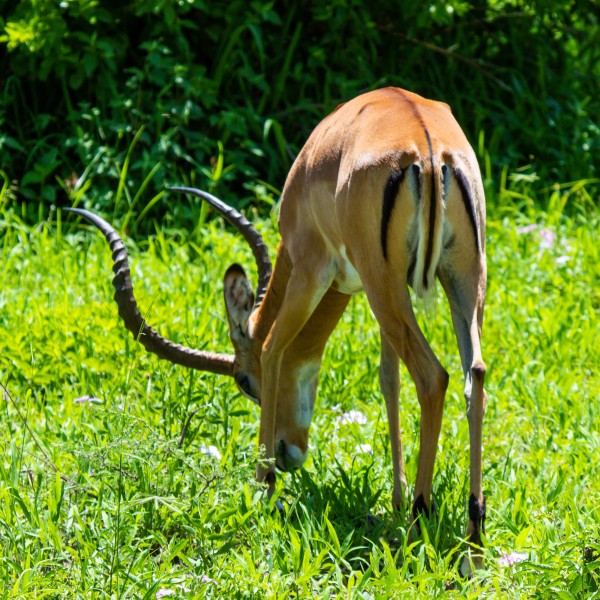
206,579
561,260
507,560
211,450
353,416
164,592
364,448
88,399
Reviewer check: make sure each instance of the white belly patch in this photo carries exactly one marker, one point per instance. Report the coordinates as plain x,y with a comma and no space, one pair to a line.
347,280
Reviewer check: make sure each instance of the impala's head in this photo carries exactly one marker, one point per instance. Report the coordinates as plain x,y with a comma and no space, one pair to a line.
239,302
243,306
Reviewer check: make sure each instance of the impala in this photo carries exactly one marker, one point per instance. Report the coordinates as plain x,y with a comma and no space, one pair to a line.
385,194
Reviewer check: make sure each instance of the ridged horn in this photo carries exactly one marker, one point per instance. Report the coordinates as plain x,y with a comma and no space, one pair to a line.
243,226
134,322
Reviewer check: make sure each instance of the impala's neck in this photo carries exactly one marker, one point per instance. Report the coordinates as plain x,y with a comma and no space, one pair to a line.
301,361
262,319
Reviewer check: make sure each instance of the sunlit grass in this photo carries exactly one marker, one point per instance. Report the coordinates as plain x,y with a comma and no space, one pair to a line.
106,499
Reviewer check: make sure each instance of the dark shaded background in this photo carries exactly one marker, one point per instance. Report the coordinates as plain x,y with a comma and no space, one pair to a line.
106,103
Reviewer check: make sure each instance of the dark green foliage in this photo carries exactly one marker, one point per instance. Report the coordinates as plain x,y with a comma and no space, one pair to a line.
226,92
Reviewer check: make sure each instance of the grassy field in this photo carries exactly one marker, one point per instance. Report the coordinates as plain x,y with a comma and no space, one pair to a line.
122,476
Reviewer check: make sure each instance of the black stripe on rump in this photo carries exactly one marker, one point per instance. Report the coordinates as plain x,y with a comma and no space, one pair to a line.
432,209
417,177
390,193
467,198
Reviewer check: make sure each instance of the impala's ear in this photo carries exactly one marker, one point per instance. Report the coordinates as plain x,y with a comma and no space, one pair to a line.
239,301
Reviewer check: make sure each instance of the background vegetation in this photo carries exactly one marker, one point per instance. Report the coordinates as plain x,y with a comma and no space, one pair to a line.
122,476
106,102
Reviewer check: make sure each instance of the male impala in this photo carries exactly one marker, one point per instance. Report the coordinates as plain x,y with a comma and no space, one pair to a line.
385,194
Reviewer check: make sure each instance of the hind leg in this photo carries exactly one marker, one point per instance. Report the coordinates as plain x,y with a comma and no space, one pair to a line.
466,295
398,324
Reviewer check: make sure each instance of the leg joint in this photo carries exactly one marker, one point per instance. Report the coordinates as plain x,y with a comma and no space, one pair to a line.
444,380
479,370
431,391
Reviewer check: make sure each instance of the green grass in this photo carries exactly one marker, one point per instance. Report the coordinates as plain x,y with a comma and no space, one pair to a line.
106,500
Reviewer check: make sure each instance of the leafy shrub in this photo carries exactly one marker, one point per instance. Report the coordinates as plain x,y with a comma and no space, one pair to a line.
111,101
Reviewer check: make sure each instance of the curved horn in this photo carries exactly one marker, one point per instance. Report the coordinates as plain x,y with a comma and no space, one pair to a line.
129,312
254,239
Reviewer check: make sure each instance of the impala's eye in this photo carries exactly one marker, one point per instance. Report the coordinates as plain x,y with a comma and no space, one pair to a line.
243,383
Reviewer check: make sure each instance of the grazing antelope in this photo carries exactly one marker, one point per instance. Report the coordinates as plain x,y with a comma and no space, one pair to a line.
385,194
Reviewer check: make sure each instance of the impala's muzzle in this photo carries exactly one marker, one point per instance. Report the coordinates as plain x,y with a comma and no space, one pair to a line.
289,457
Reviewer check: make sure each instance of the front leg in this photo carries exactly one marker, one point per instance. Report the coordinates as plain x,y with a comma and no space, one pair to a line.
304,291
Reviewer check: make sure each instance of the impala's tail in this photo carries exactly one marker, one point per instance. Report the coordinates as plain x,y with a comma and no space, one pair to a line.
429,182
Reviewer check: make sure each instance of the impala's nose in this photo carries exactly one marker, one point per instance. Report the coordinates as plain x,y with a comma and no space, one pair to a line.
289,456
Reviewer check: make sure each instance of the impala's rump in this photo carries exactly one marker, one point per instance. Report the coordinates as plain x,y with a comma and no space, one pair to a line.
420,274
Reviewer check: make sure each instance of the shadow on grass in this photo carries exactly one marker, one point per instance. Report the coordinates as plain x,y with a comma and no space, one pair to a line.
350,503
